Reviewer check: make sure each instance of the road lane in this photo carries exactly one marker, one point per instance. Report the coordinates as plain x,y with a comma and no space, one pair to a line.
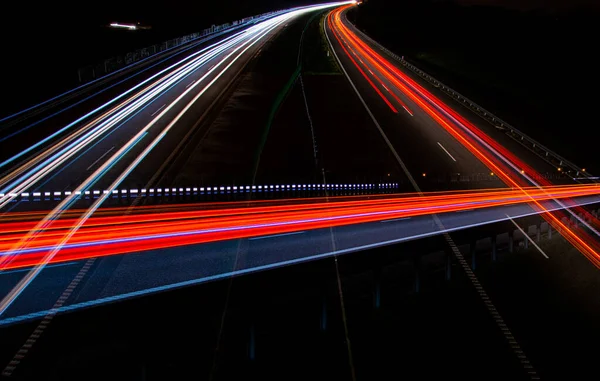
410,130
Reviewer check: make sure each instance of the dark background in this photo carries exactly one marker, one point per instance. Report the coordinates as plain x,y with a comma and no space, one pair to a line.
529,61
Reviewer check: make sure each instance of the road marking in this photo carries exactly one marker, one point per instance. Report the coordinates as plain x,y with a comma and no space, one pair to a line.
388,90
100,158
396,219
161,107
528,237
408,111
445,150
190,84
370,71
35,335
275,235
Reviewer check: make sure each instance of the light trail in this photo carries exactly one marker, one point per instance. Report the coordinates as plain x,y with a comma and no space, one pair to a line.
445,150
103,236
499,160
165,71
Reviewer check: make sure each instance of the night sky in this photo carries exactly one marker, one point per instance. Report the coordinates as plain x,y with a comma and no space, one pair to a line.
533,4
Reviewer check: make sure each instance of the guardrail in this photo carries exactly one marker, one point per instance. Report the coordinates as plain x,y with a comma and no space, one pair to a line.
563,165
110,65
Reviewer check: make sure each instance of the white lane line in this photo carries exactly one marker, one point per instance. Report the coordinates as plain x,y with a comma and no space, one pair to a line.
396,219
410,113
275,235
388,90
528,237
190,84
100,158
445,150
157,111
370,71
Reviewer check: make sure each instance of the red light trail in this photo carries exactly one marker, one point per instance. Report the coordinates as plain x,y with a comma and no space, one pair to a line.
511,170
175,225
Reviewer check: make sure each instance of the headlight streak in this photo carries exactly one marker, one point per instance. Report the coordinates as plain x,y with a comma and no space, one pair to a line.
258,32
57,159
89,114
481,145
104,89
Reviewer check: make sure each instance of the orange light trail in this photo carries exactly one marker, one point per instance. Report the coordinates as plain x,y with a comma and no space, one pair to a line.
111,235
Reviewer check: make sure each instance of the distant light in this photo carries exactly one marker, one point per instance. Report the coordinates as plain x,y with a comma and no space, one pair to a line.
424,174
522,171
491,173
388,175
559,169
583,170
124,26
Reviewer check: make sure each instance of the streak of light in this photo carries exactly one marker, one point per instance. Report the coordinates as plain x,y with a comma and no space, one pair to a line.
123,26
254,35
528,237
102,236
445,150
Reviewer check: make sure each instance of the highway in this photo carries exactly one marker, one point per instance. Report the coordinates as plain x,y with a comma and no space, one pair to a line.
135,136
118,139
107,144
141,119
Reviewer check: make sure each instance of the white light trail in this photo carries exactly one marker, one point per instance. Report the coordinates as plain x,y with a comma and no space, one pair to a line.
253,35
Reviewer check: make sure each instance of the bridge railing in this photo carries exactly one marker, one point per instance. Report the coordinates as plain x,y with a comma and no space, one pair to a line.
560,163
